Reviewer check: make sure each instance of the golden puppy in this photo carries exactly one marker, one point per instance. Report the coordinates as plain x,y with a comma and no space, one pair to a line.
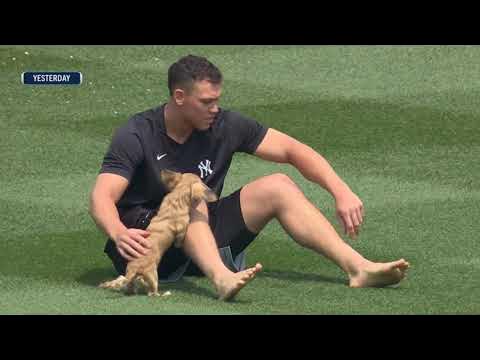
168,226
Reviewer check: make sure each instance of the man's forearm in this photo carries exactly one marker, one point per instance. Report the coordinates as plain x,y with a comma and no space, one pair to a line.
105,214
316,168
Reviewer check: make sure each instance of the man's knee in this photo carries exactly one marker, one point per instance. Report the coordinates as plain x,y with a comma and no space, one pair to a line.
275,188
264,198
281,180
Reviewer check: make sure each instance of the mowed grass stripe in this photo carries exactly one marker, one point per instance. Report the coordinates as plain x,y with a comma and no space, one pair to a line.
302,81
349,126
136,84
399,119
42,205
317,69
62,200
364,123
69,193
39,296
366,72
36,153
450,169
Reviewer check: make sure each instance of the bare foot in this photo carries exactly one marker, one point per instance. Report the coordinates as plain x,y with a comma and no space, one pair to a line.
230,285
380,274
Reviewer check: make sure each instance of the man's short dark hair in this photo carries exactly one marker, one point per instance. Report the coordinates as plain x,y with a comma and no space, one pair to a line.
189,69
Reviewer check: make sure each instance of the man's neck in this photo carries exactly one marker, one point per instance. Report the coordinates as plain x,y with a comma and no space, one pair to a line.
176,126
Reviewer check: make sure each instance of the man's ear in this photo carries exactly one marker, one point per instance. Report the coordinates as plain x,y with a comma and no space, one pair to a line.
179,96
170,178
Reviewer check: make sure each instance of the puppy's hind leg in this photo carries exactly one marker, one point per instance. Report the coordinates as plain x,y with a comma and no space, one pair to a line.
151,277
116,284
152,280
130,281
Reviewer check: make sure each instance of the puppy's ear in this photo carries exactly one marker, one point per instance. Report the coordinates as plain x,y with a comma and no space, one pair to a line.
210,195
202,192
170,178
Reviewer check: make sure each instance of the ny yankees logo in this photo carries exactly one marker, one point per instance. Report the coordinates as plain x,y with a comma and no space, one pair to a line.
205,169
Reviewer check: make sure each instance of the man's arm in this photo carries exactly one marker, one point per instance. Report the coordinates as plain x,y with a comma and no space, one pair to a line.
279,147
108,189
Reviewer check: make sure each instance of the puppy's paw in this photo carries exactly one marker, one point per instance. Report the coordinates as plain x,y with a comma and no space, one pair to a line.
159,294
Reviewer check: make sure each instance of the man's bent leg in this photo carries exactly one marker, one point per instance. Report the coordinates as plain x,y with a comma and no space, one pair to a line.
276,196
200,245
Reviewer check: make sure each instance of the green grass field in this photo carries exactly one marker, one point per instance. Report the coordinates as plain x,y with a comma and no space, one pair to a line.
401,125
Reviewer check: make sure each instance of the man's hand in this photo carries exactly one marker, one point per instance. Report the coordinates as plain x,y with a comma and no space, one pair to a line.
133,243
350,212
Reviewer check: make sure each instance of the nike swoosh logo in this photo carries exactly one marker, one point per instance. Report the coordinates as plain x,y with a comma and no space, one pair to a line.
159,157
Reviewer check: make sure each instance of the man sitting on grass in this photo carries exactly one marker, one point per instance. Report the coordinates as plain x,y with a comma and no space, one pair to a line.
191,133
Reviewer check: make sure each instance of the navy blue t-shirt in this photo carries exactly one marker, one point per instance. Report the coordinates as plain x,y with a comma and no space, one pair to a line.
141,148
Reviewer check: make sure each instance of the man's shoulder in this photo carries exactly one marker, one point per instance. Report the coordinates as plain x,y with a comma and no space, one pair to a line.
140,121
154,113
229,114
231,119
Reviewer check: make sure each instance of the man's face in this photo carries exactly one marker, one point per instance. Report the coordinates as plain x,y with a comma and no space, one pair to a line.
200,105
